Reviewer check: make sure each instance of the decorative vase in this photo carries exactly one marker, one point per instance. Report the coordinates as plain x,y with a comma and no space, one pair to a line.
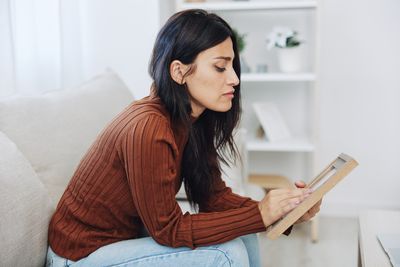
289,59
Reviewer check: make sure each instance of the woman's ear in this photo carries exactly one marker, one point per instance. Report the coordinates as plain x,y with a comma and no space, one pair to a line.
178,70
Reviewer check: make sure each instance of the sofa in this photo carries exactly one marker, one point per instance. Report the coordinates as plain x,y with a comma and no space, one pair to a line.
42,139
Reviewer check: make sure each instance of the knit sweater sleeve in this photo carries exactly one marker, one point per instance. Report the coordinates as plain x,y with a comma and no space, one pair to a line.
149,154
223,198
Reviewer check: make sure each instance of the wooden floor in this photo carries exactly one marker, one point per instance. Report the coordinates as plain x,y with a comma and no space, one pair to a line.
337,245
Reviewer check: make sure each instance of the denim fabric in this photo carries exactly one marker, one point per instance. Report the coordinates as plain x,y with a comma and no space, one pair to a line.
240,252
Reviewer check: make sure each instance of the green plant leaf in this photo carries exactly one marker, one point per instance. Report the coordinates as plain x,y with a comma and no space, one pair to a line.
240,38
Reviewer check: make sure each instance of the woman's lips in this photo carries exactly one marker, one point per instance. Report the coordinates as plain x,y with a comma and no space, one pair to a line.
230,94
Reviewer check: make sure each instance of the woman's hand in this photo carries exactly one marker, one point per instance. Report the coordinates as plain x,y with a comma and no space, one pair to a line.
278,202
311,212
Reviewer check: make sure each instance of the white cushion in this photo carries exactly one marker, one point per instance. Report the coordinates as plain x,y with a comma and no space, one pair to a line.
55,129
25,209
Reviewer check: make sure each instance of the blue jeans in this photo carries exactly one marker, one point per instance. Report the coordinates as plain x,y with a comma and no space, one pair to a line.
243,252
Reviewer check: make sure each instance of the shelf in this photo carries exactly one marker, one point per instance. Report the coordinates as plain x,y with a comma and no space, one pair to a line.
250,5
292,145
278,77
270,181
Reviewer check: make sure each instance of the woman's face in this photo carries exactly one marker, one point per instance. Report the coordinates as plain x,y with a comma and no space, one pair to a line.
211,84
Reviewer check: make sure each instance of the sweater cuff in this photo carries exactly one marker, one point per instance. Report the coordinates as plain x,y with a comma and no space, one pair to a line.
259,217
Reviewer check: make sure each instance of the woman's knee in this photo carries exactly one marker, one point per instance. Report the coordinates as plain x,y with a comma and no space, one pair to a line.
235,252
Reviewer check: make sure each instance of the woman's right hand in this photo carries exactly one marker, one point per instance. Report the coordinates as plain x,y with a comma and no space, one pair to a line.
278,202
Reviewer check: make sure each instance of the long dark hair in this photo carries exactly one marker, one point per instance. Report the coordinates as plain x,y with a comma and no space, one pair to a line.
183,37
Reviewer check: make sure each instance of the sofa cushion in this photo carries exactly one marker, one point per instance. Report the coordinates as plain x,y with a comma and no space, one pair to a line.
25,209
55,129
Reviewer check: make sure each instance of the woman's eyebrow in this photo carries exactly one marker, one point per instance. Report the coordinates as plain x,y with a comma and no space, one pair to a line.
225,58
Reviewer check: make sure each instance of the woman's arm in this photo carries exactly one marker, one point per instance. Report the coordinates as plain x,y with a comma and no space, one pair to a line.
149,153
223,198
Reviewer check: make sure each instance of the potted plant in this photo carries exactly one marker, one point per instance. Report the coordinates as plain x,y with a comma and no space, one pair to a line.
288,44
241,43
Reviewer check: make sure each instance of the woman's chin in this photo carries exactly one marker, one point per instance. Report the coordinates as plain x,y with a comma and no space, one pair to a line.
223,108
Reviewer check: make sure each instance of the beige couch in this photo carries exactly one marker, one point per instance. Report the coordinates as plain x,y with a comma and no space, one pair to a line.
42,140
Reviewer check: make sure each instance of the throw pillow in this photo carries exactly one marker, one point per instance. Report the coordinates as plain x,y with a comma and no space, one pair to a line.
25,209
55,129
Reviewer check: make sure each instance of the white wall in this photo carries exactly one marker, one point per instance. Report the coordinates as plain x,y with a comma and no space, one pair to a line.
120,34
360,101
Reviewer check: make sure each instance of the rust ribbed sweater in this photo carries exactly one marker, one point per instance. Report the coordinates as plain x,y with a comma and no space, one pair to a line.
129,178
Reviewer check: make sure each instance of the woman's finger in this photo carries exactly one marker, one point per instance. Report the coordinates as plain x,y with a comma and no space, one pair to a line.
291,193
295,197
287,206
300,184
315,209
310,213
307,216
294,202
279,192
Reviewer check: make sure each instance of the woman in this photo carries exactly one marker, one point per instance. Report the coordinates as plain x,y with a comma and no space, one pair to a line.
129,177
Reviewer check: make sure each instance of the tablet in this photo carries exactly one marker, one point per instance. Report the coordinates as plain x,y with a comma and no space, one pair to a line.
321,184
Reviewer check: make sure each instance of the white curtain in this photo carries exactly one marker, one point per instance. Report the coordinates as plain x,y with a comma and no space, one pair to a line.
40,46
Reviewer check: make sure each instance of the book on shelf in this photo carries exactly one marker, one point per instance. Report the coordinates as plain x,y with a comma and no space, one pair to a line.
272,122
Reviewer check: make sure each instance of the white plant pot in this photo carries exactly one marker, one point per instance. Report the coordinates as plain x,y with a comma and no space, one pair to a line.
289,59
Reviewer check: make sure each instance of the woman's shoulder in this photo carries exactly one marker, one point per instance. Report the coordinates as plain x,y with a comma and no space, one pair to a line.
145,121
146,107
144,113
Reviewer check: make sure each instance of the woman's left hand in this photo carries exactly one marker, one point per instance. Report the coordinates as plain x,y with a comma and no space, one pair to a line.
311,212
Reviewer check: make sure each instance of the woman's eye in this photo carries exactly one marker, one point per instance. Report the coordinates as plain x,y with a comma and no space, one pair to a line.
220,69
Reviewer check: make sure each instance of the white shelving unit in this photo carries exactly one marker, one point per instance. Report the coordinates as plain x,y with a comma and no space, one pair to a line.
246,5
278,77
296,144
294,93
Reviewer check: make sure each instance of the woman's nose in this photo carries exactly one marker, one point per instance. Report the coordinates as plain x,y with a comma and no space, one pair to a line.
233,79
